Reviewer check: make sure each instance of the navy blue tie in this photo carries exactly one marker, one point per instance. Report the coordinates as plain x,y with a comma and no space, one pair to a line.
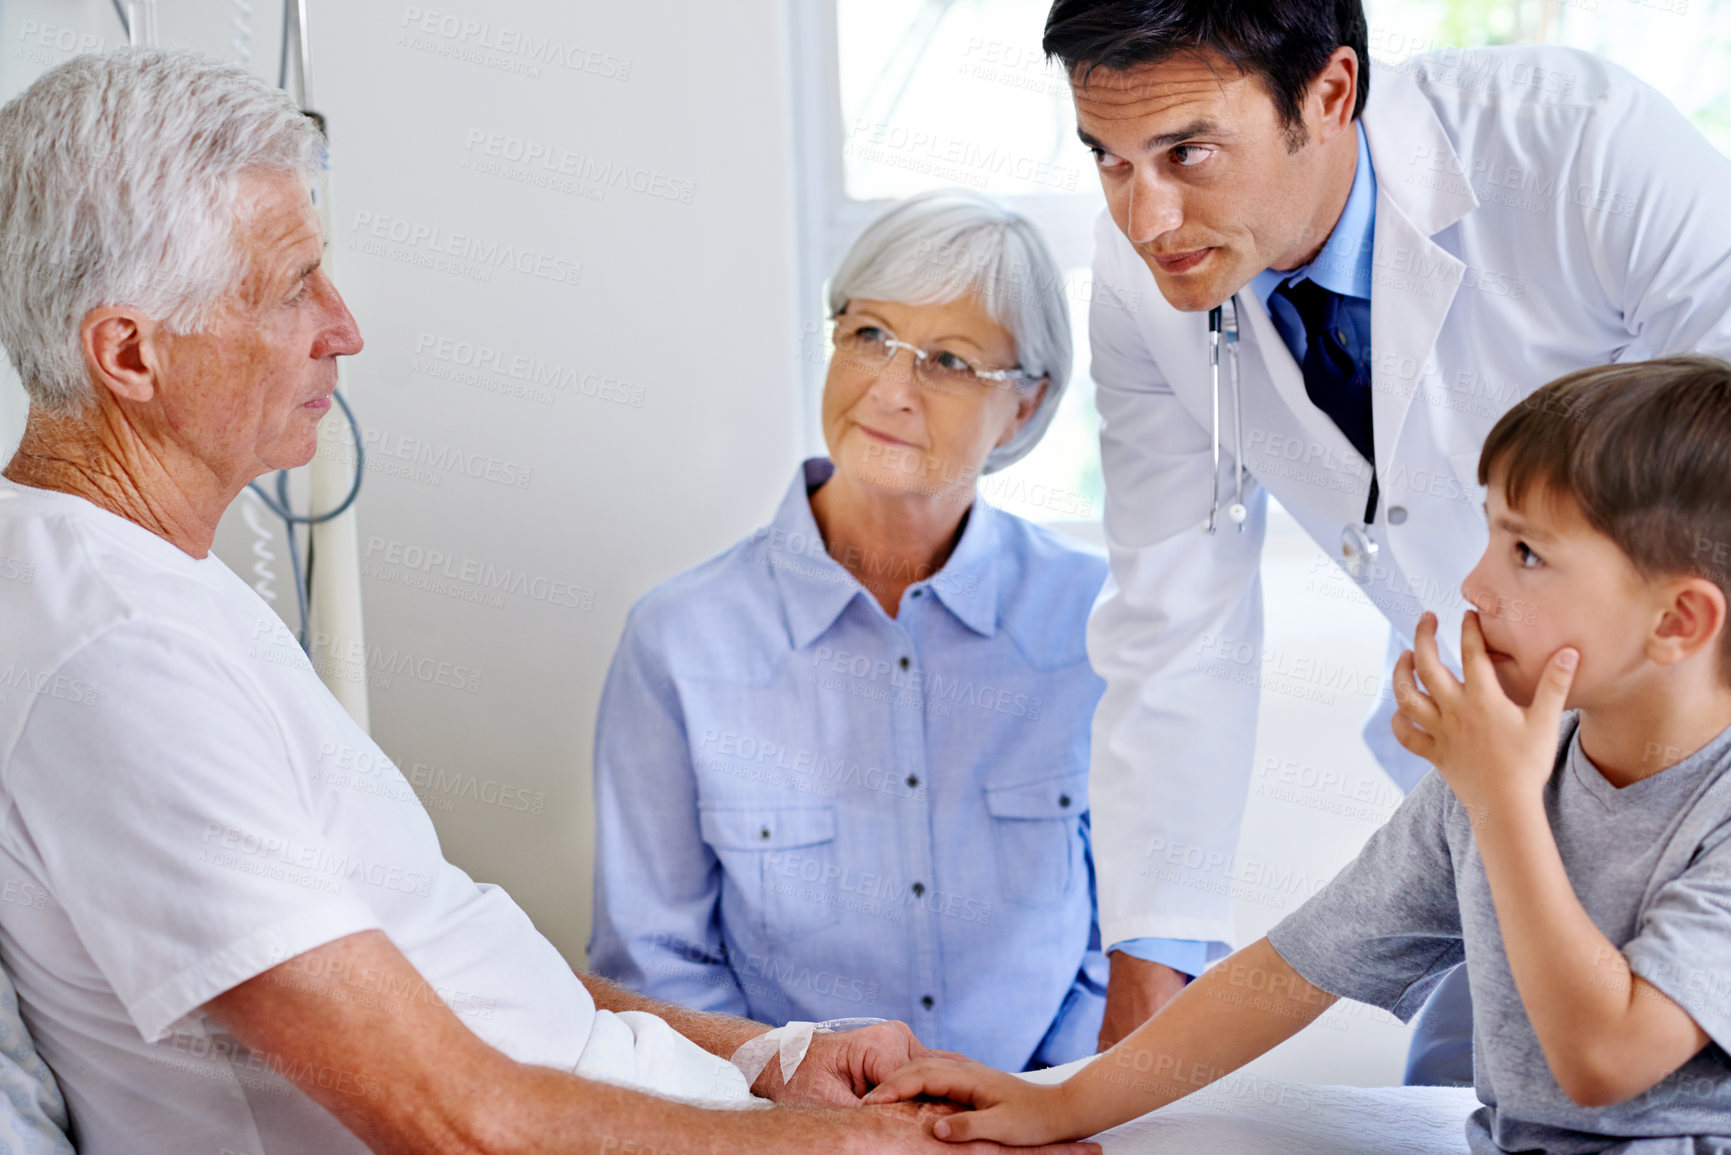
1328,334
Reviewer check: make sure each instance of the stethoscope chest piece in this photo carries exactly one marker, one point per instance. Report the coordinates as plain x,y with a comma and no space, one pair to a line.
1357,547
1357,551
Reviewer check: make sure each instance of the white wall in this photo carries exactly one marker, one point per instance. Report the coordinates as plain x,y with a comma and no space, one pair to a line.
685,309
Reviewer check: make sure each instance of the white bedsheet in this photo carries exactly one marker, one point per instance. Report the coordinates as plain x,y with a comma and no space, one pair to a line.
1245,1114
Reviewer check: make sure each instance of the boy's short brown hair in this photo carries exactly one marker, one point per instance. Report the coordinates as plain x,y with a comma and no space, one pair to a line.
1644,449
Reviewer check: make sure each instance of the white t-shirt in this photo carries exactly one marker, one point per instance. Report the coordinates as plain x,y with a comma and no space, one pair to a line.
187,807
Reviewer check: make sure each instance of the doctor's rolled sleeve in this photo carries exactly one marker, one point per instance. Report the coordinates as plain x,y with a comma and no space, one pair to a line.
1178,612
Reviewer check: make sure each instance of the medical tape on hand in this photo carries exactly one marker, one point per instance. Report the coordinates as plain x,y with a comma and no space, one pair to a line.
791,1042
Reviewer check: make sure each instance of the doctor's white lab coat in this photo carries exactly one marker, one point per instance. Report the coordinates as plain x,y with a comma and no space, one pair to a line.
1538,210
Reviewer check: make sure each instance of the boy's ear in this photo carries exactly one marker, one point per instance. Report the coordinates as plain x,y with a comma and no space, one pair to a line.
1693,620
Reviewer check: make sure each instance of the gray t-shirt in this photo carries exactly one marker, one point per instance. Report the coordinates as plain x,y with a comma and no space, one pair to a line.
1651,863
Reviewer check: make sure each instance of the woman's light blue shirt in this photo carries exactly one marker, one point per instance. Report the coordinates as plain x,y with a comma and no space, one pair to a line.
806,809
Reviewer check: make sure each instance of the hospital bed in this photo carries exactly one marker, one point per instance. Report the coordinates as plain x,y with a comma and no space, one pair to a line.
1246,1114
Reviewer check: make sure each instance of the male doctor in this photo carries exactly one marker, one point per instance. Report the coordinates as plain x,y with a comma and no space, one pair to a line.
1407,252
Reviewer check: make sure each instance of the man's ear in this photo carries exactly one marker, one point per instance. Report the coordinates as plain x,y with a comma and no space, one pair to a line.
1693,619
119,351
1336,89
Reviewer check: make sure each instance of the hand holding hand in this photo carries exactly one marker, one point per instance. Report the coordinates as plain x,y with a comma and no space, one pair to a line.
905,1129
840,1067
1006,1109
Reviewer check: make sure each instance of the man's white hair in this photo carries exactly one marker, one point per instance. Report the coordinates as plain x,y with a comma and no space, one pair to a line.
937,246
118,181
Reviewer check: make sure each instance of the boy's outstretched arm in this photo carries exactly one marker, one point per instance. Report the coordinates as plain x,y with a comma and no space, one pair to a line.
1232,1013
1607,1034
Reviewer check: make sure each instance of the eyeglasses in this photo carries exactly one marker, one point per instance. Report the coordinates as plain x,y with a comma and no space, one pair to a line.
873,347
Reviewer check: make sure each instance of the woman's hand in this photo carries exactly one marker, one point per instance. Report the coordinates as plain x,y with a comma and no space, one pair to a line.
1006,1109
1488,749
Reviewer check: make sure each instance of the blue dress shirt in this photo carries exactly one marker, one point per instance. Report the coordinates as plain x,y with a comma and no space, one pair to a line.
806,809
1343,265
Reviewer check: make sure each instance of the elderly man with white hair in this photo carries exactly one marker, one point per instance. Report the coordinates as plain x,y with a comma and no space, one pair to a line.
842,769
238,954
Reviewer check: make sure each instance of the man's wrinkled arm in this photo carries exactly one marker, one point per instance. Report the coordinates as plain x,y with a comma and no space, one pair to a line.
837,1070
408,1078
718,1034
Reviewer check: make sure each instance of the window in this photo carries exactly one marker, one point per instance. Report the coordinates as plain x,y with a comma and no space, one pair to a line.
898,96
1680,47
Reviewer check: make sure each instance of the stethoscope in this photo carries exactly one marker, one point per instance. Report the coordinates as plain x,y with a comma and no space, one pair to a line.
1224,323
1357,548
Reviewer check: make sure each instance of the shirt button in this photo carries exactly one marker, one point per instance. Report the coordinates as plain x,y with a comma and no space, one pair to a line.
764,834
1064,800
905,663
919,889
917,593
913,781
927,1002
1396,514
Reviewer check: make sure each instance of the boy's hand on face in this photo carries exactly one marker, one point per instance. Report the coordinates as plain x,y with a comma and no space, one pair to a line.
1488,749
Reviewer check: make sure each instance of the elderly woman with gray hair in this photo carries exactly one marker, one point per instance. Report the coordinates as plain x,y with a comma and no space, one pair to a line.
841,769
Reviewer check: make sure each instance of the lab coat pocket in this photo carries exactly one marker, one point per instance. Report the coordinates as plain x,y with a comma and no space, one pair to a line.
1037,829
782,862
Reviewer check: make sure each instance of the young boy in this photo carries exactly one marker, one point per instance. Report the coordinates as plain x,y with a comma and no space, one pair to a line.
1586,883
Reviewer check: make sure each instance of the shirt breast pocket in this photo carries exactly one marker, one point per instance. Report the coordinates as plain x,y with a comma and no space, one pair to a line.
1036,828
782,860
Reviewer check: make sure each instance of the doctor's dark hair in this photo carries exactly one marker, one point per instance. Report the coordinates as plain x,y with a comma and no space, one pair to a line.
1283,43
1644,449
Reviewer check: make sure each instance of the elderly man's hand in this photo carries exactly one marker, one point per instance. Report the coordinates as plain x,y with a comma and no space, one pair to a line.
841,1067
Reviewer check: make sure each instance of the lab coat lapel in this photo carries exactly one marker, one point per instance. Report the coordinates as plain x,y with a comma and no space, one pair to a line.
1419,193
